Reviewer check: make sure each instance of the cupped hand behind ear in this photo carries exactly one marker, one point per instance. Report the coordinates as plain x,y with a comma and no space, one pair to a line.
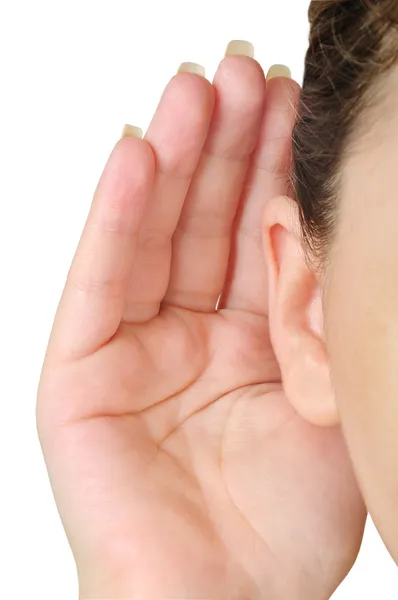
178,465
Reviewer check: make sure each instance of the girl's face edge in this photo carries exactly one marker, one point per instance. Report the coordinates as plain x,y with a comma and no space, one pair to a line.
361,319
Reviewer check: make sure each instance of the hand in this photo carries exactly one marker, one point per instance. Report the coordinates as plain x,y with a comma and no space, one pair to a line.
179,468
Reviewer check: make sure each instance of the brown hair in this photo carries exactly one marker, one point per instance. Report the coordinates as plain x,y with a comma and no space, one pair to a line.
353,43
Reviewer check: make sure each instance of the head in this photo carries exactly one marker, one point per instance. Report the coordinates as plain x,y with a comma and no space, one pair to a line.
333,249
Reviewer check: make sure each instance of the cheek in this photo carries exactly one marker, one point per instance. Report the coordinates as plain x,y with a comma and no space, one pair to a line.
361,315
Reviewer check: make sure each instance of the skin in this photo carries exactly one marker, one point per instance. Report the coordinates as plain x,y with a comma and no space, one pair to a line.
363,330
343,315
179,466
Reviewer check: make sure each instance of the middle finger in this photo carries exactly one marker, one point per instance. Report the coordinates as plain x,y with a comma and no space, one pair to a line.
201,243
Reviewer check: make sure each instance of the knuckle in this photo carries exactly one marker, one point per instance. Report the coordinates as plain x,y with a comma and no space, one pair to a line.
106,287
153,241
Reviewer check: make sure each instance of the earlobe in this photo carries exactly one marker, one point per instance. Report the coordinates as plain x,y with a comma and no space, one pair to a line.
295,316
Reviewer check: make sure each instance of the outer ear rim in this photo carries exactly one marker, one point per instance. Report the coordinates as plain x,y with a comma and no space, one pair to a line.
284,211
269,220
272,209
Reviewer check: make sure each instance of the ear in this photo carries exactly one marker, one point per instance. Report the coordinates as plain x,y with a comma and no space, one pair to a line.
296,316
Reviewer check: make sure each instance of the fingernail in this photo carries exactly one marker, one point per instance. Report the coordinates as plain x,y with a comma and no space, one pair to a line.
131,131
278,71
240,48
190,67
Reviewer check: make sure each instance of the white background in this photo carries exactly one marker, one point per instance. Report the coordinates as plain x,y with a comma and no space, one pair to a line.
72,73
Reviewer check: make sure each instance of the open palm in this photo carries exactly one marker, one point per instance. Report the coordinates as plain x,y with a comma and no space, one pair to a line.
179,468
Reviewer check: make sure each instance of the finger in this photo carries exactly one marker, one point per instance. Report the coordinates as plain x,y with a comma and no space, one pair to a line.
246,283
177,134
201,244
92,304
